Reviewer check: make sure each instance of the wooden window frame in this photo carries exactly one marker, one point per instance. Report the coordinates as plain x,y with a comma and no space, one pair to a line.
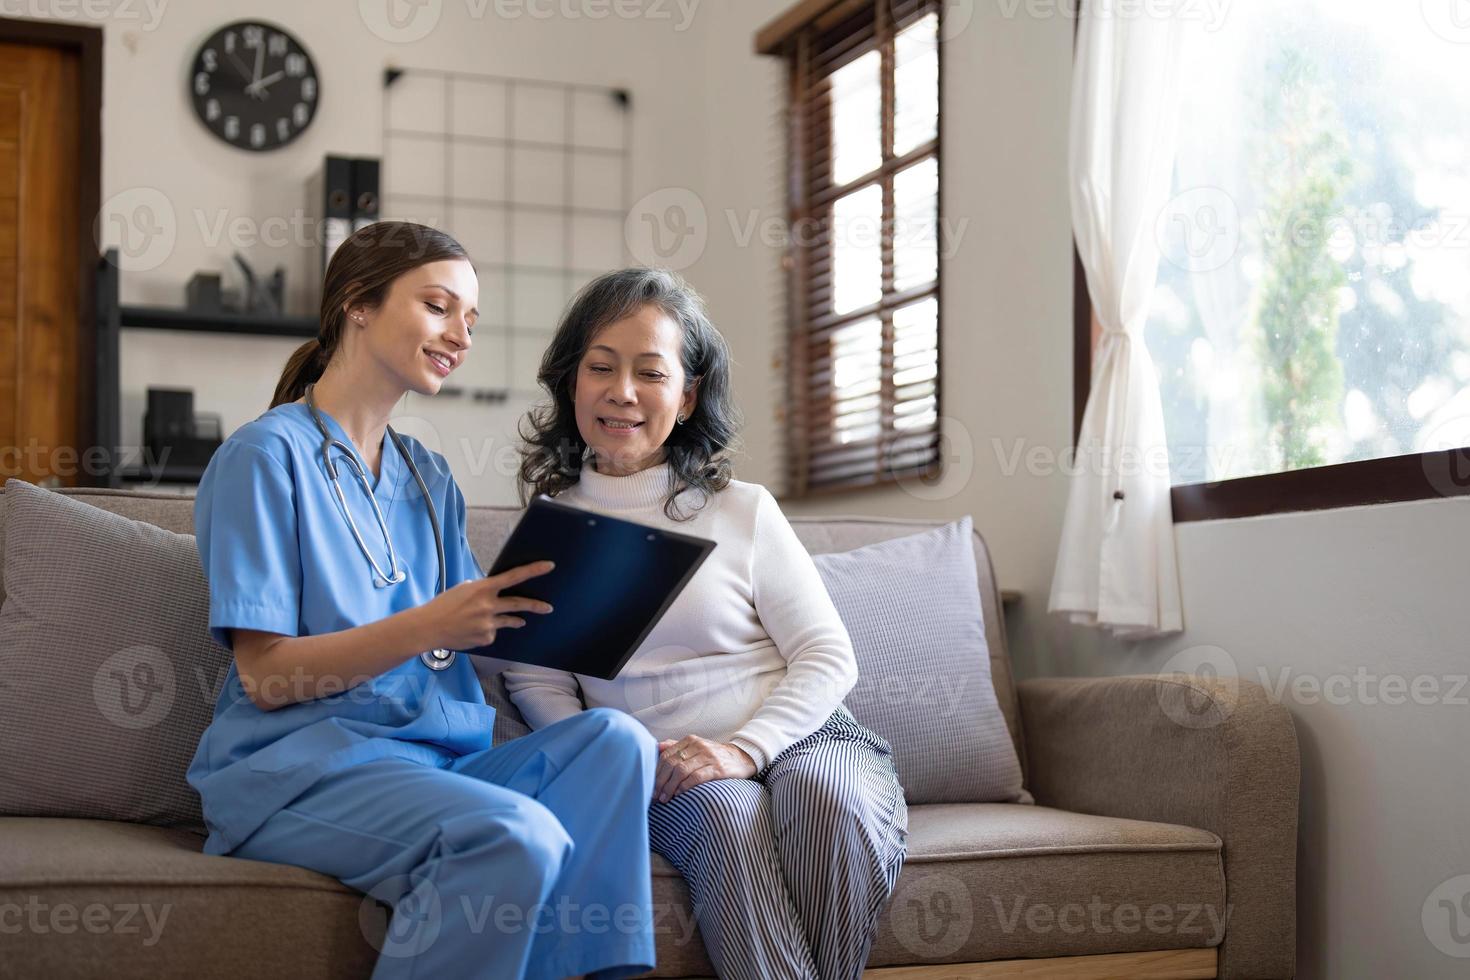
791,36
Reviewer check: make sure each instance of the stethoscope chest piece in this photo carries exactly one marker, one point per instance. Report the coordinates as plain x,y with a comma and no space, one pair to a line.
437,659
382,579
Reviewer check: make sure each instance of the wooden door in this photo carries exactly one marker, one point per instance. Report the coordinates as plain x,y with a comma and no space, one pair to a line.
43,431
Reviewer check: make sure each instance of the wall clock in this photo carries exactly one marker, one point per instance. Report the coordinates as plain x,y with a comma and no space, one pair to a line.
254,85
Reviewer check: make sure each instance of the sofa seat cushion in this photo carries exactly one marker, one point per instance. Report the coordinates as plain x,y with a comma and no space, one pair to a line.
125,901
982,881
988,881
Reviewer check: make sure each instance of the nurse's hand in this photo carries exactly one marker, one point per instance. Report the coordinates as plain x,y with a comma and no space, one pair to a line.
470,614
702,760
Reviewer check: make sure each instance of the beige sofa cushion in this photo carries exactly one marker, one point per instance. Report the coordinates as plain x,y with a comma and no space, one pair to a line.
108,676
910,605
982,881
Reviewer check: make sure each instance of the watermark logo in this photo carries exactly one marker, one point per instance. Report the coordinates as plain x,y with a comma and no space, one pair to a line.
1207,690
1446,917
671,697
932,915
679,11
140,222
956,465
1448,19
40,918
668,227
123,12
134,688
1198,230
400,21
954,17
1445,453
412,921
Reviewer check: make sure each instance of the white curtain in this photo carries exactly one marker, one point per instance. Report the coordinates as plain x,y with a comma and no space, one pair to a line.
1116,567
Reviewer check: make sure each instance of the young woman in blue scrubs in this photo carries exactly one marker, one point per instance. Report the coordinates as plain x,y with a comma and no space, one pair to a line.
337,743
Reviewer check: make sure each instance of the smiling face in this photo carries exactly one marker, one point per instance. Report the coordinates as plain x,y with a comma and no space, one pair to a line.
421,331
629,389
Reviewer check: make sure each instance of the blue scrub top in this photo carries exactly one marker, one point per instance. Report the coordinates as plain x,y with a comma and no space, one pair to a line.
279,557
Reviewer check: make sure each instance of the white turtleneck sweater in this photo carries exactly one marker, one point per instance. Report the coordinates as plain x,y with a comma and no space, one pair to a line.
752,652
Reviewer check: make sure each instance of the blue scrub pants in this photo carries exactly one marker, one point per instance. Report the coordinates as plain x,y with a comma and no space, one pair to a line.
530,859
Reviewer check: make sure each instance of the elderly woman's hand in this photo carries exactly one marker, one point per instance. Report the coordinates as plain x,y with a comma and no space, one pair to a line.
691,760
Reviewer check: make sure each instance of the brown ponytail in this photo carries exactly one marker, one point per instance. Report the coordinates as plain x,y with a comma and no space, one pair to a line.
305,367
360,274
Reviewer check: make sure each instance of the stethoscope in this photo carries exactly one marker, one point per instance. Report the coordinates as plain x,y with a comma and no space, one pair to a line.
436,659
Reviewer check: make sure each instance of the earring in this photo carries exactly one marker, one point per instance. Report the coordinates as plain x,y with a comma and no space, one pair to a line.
681,418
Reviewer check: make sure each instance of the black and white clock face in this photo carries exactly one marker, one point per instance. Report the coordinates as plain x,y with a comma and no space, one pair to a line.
254,86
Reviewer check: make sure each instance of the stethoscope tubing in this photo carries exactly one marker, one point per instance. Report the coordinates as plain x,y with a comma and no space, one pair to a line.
435,659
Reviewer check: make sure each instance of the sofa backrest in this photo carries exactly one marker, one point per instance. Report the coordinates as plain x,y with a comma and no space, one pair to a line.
490,526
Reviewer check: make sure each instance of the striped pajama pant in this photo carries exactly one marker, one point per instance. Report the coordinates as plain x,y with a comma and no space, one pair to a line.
789,870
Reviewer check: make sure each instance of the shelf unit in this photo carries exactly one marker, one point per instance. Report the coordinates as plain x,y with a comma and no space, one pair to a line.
193,321
113,317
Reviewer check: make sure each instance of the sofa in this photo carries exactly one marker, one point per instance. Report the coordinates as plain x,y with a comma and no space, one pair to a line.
1161,843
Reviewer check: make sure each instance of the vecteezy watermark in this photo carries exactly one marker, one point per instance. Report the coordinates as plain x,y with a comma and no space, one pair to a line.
680,12
954,17
677,694
1448,19
406,21
1097,917
1445,453
403,915
1202,687
1211,13
36,459
141,222
134,688
147,13
1093,457
38,917
1211,685
400,21
953,468
863,231
144,224
667,227
932,915
1200,229
670,227
1366,687
417,917
1446,916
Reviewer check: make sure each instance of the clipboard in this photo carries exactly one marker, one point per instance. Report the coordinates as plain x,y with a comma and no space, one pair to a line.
614,579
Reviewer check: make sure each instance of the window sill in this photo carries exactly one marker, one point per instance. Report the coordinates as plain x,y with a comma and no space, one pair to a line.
1393,479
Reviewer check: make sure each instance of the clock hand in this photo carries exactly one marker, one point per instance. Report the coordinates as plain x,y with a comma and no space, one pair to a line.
258,88
240,65
259,57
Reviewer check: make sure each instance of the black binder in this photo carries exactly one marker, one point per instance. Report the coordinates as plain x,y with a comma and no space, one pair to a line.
365,196
329,194
613,582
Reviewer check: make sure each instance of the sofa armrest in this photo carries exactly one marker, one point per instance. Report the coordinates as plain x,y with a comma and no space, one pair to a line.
1213,753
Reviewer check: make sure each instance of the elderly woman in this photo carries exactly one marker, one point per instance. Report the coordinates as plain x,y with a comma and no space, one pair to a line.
783,814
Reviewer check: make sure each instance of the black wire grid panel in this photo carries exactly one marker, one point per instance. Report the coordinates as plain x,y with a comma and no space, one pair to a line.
533,178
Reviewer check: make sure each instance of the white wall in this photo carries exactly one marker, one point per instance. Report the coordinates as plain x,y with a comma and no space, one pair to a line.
1376,593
